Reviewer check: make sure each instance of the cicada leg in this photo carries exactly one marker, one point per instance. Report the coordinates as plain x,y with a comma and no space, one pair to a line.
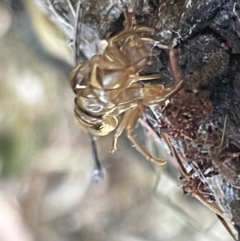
155,94
148,95
129,18
149,77
127,33
134,115
120,129
131,29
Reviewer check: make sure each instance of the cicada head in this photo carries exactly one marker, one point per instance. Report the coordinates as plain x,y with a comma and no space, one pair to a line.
98,126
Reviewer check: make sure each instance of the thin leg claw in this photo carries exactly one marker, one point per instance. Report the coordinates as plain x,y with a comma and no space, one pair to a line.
160,162
133,118
114,148
114,145
147,155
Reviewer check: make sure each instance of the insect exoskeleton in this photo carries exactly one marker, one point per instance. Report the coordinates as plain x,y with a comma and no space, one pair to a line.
109,93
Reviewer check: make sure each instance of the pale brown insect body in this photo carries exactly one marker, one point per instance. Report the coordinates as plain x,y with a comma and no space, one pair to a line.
109,85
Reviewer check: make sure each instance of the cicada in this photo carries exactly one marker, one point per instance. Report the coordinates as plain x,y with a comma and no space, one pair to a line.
109,92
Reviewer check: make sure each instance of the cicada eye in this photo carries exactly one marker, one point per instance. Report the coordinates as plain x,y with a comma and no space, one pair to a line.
104,127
